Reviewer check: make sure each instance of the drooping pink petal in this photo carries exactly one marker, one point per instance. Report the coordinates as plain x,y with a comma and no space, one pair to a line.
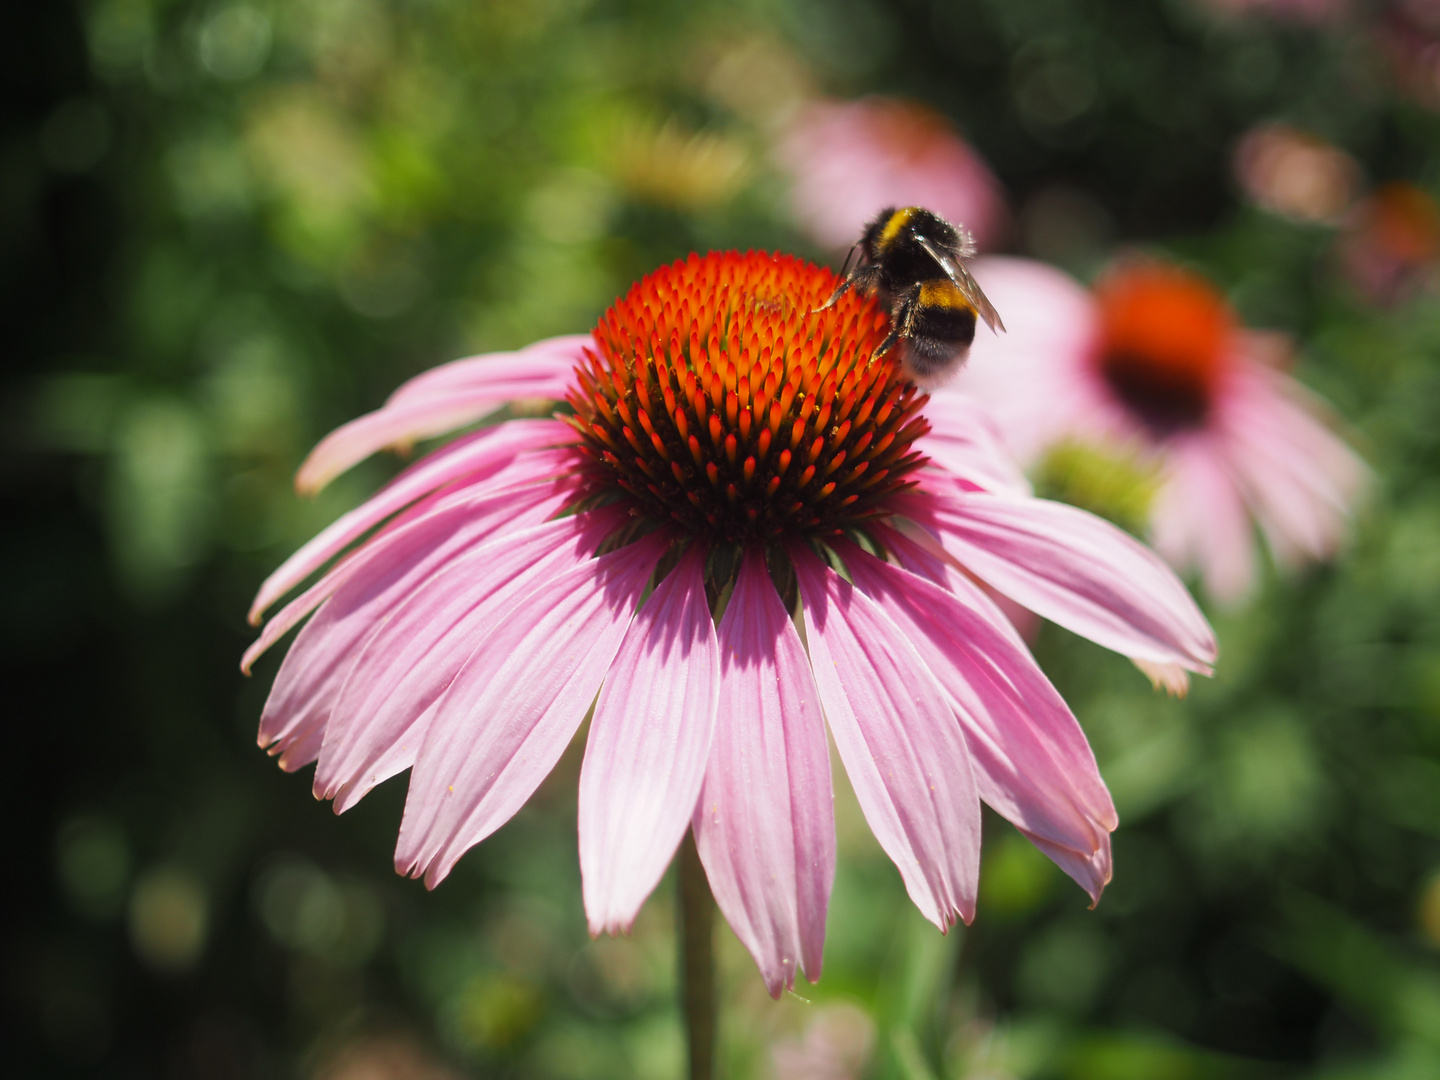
1199,519
381,577
384,707
515,704
649,742
1073,568
1092,872
1031,761
899,740
460,516
549,361
765,823
483,454
442,400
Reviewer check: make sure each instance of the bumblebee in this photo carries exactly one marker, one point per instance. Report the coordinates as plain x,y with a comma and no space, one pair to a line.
915,261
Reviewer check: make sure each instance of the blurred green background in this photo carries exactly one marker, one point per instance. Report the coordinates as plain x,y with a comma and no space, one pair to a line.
229,226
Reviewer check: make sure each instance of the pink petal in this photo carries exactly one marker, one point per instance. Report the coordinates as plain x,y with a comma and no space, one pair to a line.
899,740
649,741
935,567
482,455
1034,379
439,401
550,361
1092,872
1199,519
1299,477
1073,568
384,707
512,709
964,441
765,823
462,516
381,577
1032,762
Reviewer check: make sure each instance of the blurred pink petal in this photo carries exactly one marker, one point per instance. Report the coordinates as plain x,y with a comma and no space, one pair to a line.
837,1045
649,741
1199,519
1153,364
765,825
848,160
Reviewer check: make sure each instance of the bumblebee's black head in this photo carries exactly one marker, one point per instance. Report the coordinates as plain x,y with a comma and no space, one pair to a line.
871,243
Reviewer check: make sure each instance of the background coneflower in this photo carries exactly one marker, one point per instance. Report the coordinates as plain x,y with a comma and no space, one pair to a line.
1153,365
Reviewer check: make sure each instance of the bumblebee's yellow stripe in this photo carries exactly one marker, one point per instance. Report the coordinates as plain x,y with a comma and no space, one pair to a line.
898,221
945,295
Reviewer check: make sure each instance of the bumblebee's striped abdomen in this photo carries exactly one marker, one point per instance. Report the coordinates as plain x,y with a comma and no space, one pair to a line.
944,314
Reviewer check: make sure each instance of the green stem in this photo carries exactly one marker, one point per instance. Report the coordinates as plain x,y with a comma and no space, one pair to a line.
697,961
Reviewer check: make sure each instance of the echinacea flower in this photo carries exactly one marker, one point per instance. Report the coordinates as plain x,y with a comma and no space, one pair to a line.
742,529
1295,174
1391,244
848,160
1152,363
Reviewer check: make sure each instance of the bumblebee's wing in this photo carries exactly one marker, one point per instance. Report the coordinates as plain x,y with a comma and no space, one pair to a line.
961,279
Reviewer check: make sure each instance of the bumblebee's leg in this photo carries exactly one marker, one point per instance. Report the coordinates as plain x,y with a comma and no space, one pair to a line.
902,320
864,278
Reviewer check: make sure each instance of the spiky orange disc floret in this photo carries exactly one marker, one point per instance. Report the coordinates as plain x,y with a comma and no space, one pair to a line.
722,398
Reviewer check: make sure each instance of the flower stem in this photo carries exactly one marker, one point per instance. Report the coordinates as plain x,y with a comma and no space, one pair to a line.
697,961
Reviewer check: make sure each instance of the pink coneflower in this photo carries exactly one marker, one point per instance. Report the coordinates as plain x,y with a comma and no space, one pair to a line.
675,545
1391,244
1296,174
848,160
1153,363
